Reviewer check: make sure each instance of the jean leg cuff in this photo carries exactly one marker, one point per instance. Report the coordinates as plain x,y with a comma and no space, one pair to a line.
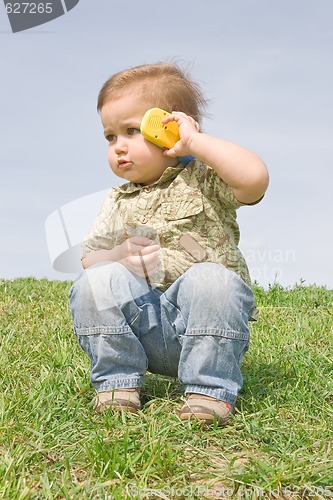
221,394
124,383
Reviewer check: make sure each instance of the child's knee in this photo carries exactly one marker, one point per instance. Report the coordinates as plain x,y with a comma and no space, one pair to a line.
95,283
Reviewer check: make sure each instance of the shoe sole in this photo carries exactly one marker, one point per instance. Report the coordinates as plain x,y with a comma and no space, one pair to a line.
208,418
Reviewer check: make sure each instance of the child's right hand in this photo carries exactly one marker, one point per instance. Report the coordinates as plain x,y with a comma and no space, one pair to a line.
140,255
188,128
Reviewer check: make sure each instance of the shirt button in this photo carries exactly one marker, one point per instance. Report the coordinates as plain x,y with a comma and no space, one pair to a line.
144,220
146,189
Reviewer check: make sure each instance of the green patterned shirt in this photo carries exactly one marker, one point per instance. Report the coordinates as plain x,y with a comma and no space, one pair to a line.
190,212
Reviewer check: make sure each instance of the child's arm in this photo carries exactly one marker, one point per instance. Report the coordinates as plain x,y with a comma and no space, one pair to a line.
138,254
243,170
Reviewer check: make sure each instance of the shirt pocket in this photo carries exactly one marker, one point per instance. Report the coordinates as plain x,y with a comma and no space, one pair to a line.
184,208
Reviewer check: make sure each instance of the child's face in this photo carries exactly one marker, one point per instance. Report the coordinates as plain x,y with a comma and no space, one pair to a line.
130,155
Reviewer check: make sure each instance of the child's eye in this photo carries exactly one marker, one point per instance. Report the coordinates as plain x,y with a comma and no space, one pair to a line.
110,137
132,131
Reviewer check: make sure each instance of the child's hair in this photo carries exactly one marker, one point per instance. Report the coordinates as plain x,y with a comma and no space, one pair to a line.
163,85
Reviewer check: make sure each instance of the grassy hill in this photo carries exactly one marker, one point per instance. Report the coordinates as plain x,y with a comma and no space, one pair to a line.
52,444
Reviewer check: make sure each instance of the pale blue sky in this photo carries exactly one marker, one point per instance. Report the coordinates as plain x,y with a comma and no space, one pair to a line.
266,68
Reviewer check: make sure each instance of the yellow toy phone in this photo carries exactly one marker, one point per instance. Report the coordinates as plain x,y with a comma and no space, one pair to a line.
162,135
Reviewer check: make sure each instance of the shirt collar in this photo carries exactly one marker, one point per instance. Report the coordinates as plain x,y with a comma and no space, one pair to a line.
169,173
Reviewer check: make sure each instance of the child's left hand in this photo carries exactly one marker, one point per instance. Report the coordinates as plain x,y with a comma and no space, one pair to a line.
188,128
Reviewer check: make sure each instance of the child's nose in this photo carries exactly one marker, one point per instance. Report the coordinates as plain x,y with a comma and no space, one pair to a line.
121,145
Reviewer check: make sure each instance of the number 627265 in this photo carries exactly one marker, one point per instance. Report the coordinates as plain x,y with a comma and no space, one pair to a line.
29,8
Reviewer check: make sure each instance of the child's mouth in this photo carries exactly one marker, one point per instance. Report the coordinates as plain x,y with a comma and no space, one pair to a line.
124,164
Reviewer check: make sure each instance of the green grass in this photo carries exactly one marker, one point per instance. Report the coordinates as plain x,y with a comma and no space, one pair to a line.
53,445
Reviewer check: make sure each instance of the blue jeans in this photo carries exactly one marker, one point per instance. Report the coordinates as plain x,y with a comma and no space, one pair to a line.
197,330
